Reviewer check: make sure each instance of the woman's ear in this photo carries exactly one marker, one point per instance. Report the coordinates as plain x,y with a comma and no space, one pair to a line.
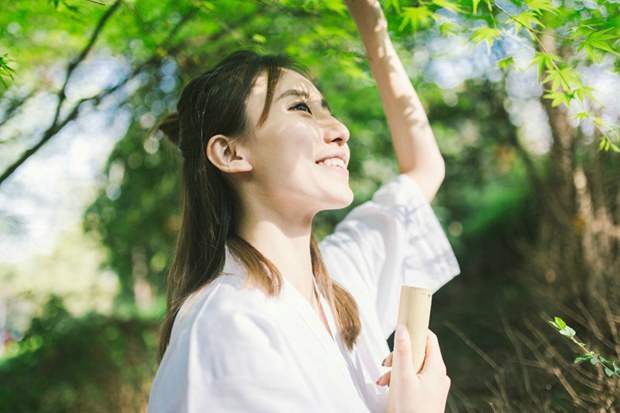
227,155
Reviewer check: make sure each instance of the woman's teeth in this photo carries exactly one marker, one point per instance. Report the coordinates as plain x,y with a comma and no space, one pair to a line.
333,162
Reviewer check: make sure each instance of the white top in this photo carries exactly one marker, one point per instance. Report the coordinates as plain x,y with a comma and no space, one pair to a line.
235,349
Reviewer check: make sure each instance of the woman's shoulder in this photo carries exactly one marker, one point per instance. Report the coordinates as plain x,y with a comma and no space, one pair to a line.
222,331
224,317
226,297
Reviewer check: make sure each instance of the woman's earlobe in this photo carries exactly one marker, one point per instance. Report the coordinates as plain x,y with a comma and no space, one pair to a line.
227,155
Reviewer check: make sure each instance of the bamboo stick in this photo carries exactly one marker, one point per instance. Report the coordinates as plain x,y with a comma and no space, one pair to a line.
414,312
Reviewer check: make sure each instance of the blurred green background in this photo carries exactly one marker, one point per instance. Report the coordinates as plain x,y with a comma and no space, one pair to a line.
89,198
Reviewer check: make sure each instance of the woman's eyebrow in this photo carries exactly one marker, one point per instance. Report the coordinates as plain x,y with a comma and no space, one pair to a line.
302,94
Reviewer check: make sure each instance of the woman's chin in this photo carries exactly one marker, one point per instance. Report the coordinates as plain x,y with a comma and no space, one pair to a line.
341,200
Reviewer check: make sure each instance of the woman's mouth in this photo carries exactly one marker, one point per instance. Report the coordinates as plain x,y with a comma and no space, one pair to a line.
337,162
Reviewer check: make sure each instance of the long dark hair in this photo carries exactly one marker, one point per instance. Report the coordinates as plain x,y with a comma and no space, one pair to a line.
211,104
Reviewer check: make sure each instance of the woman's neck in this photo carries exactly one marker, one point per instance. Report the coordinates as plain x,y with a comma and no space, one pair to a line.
287,247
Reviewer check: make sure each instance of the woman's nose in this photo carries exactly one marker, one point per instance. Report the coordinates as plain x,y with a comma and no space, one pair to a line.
336,132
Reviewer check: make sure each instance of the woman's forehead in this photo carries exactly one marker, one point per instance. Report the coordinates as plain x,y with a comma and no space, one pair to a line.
290,81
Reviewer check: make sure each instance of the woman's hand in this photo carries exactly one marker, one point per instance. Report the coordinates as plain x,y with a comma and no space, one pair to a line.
424,392
368,17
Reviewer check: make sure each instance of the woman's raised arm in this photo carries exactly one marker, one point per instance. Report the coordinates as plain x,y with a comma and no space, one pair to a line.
414,143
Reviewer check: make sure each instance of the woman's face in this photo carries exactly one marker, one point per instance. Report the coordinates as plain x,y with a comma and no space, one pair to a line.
299,155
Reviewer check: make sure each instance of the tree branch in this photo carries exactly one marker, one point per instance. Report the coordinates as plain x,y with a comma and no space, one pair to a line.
56,126
79,58
13,106
158,54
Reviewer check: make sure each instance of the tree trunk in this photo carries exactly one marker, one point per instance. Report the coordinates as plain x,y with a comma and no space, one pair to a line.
561,225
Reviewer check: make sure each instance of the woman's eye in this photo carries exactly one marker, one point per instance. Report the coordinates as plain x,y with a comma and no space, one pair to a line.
302,106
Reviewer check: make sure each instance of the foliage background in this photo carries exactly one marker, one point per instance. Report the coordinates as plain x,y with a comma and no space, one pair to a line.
530,202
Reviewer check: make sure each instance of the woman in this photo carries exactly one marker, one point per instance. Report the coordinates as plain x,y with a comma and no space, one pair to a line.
260,318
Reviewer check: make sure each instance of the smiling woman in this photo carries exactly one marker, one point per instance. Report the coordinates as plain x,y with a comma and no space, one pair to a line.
286,153
260,317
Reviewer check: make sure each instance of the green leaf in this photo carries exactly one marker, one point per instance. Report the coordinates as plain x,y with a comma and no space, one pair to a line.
557,98
564,78
584,91
259,38
416,17
395,4
207,5
606,144
448,27
5,70
485,34
567,331
559,323
504,63
581,116
59,5
539,5
447,4
602,46
475,4
553,76
603,35
581,359
570,77
526,20
337,6
597,42
545,61
594,361
609,372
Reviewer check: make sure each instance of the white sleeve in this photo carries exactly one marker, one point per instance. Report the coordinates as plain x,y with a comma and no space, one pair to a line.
392,240
232,363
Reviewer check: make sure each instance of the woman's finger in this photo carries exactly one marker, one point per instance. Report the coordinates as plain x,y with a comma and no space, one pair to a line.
402,348
433,362
387,362
385,379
